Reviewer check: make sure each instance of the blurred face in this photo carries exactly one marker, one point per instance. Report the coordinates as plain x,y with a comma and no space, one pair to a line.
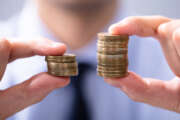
79,3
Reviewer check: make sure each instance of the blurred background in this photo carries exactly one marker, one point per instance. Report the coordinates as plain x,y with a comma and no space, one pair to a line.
10,7
140,7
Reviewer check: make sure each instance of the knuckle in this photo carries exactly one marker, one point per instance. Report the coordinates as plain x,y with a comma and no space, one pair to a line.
176,35
163,29
5,44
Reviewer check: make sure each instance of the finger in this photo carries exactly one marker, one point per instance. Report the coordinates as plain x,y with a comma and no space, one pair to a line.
169,37
166,30
150,91
29,92
141,26
39,46
4,55
153,26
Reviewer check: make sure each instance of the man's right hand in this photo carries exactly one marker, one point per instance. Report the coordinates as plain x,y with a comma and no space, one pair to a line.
18,97
163,94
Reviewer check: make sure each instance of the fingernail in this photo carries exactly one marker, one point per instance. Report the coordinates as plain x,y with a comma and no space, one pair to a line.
111,28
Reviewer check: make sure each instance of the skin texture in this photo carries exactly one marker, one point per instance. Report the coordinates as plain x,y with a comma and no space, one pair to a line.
31,91
163,94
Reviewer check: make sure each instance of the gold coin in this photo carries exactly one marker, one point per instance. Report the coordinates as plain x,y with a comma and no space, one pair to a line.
112,52
113,72
117,65
107,36
112,56
113,40
112,43
63,71
105,72
65,74
112,49
61,66
111,64
111,75
64,58
112,46
112,68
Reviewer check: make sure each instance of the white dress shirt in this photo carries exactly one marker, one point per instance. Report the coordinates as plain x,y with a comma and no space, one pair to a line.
106,102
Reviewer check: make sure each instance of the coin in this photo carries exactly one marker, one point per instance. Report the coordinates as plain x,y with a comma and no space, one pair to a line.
111,75
113,71
113,43
113,46
113,40
65,65
66,74
112,52
120,70
107,59
114,49
65,58
107,36
62,65
63,71
112,68
112,64
112,55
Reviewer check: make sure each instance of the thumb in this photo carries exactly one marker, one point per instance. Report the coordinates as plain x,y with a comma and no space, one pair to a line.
151,91
29,92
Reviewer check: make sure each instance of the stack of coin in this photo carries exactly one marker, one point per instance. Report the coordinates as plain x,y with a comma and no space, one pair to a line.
65,65
112,55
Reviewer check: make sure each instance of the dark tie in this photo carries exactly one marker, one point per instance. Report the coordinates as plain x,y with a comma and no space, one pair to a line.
80,109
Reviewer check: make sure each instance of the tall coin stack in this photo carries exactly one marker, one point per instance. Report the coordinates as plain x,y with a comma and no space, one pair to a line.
65,65
112,55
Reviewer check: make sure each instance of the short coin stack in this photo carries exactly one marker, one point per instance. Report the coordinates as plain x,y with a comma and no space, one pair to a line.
112,55
65,65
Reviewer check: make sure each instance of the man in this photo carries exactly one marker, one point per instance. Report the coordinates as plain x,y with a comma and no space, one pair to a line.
74,23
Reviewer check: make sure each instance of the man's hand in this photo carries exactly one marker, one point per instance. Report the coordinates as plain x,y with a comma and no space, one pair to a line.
155,92
36,88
